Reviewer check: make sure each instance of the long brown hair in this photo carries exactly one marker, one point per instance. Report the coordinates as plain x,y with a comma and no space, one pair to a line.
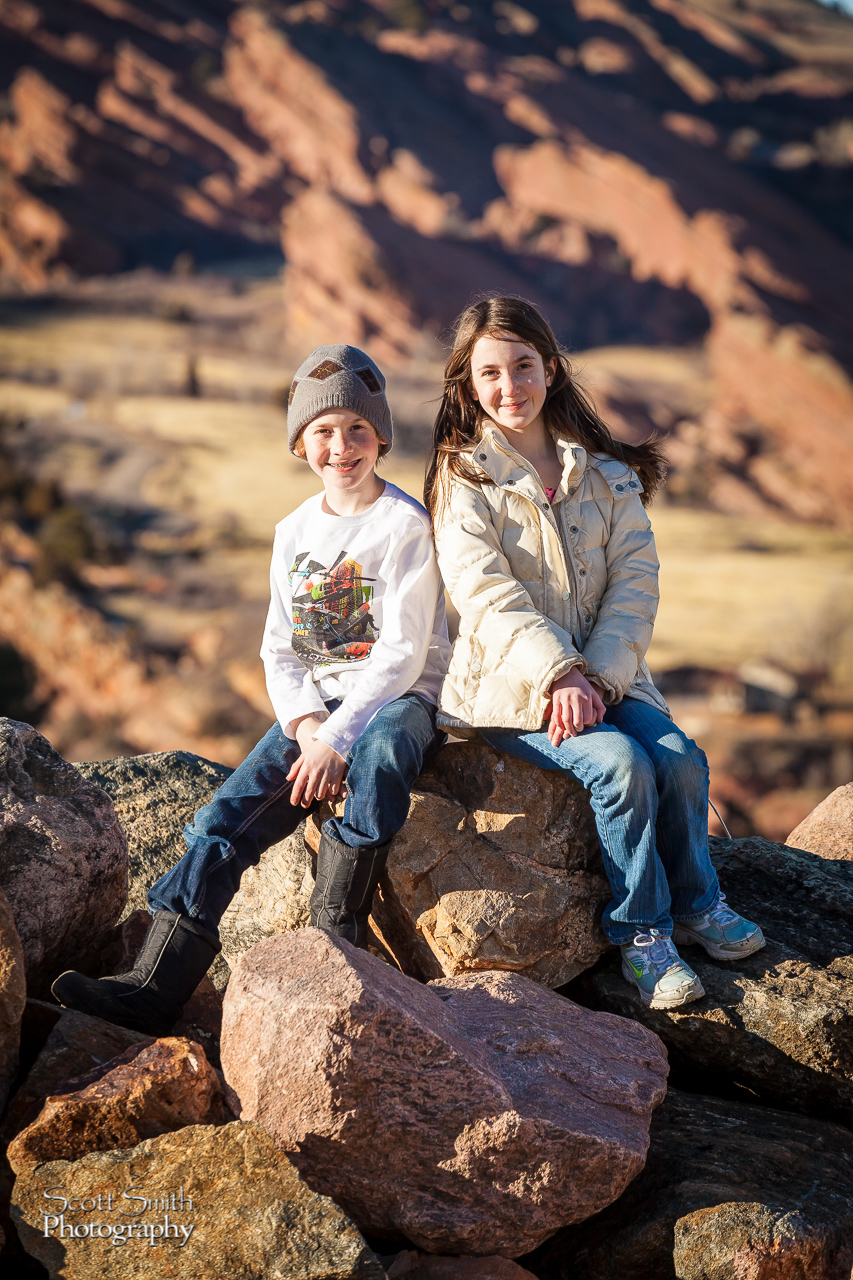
567,411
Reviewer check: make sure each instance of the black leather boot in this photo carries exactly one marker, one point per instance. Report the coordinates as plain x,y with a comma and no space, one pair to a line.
344,887
175,956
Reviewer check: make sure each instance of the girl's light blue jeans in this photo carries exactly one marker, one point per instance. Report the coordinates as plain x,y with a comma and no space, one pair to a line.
648,784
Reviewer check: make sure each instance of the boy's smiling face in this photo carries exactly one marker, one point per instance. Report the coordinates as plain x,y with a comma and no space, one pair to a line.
342,448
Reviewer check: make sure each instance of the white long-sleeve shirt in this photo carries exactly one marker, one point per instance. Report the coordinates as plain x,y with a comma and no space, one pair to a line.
356,613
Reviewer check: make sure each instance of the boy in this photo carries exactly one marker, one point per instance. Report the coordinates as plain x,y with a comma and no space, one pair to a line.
355,649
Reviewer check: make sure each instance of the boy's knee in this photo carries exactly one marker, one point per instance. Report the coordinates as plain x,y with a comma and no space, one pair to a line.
390,758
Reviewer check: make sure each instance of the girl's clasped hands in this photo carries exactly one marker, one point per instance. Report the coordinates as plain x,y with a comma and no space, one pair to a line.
575,705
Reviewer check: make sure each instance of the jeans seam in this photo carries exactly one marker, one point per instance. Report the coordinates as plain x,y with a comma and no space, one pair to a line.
198,905
257,812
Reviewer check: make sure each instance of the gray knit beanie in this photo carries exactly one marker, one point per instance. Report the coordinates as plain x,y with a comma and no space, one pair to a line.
338,377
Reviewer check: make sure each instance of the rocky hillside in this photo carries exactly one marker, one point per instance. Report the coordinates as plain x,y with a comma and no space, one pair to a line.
655,172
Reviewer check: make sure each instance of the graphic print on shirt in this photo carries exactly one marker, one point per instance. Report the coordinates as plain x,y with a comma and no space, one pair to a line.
332,621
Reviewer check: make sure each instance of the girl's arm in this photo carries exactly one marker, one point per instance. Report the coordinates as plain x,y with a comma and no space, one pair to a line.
623,629
490,600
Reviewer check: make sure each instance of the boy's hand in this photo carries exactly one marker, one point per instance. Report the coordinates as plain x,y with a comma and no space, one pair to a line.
575,705
316,774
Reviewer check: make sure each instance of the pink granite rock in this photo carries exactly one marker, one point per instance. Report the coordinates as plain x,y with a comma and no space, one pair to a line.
828,830
63,856
474,1115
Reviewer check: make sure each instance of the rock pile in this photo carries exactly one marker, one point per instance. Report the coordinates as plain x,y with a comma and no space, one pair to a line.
436,1094
729,1190
780,1022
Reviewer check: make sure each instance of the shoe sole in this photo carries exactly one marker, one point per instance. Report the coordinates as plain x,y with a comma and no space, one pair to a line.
681,937
675,1001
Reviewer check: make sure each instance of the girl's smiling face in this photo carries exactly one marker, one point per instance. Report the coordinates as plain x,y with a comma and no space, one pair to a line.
509,380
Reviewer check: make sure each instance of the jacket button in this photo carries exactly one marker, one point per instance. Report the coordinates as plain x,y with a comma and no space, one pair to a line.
510,482
632,484
565,595
582,573
482,457
544,506
620,487
574,528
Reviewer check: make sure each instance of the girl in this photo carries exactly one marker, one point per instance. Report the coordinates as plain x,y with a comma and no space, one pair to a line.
549,558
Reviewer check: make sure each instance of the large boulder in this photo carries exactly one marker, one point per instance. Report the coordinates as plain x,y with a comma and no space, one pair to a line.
151,1088
828,830
155,797
729,1192
474,1115
13,997
497,867
781,1021
63,856
212,1201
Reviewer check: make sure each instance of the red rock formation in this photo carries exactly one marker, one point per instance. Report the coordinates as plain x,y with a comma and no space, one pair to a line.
292,103
605,159
87,670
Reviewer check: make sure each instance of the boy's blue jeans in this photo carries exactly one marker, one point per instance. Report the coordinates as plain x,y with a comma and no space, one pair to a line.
648,783
252,811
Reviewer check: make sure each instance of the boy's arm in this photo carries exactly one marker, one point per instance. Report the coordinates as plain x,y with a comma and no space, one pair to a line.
290,685
398,656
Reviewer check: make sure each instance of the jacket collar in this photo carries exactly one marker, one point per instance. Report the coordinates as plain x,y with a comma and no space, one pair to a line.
505,466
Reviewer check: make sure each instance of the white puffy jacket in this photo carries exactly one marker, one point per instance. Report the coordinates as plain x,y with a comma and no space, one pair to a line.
528,613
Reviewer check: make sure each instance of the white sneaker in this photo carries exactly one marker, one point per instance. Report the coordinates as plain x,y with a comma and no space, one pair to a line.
655,968
722,932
